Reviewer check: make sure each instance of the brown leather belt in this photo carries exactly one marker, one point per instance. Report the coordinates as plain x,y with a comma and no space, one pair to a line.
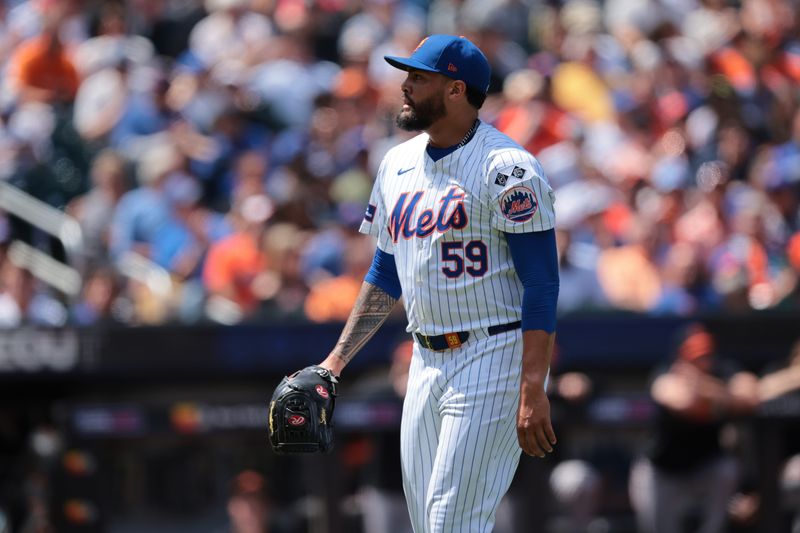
448,341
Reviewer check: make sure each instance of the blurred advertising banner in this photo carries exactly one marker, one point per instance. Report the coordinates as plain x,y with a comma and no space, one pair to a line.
591,342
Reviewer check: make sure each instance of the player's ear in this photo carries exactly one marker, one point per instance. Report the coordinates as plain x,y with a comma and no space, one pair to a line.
457,88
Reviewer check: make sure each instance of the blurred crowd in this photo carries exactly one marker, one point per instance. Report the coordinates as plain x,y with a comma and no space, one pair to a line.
218,155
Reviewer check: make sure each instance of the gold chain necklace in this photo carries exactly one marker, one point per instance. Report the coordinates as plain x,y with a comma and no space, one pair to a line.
470,133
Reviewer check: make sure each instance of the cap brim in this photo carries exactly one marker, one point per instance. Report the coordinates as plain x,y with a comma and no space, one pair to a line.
407,63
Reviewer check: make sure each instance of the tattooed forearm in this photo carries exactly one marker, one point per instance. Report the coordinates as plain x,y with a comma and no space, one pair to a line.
370,311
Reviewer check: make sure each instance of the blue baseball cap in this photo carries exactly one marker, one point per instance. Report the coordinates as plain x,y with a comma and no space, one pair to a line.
455,57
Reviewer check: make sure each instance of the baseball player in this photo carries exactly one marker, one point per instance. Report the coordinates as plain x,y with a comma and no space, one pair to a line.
463,219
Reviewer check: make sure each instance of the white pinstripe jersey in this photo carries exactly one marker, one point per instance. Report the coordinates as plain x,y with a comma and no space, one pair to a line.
443,222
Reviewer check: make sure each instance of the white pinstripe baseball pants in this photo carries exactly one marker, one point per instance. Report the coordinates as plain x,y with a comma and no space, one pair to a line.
459,449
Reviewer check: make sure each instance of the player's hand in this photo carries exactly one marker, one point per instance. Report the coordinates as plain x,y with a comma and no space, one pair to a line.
534,429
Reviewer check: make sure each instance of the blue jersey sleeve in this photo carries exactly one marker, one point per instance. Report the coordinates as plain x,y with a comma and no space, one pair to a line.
536,261
383,273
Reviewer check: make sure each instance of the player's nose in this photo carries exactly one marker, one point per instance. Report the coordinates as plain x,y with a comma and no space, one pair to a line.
407,97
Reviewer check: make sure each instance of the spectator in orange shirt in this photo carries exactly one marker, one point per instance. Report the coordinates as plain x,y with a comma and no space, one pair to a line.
234,263
332,298
529,115
41,70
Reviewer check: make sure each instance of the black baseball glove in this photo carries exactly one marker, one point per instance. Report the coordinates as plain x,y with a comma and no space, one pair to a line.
301,412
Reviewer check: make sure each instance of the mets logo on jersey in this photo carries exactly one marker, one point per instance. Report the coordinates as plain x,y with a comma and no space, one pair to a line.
518,204
405,222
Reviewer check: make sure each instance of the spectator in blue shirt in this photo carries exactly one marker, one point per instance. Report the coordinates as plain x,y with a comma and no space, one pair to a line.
144,211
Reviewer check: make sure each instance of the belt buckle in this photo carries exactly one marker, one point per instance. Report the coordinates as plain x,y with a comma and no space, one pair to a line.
453,340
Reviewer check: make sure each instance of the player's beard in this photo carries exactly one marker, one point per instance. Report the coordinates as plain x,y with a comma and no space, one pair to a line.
422,114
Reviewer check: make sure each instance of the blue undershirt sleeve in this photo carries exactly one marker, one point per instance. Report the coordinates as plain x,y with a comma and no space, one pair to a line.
536,261
383,274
